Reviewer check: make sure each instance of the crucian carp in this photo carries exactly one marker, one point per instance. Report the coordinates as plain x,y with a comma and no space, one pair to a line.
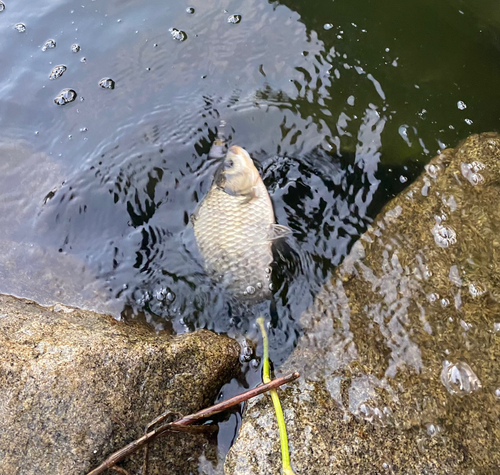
234,227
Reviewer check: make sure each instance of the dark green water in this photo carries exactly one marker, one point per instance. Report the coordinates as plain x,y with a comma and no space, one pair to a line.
340,103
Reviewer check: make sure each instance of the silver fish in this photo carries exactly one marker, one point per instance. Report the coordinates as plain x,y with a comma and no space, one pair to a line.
235,227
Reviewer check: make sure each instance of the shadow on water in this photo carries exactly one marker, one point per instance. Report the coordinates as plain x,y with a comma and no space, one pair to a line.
340,105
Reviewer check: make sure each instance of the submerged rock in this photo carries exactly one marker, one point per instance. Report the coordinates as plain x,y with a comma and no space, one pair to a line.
76,386
399,360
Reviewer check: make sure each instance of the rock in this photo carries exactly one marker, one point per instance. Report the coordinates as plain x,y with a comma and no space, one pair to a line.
28,269
400,357
28,258
76,386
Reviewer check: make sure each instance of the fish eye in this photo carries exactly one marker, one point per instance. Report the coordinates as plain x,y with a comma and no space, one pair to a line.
229,164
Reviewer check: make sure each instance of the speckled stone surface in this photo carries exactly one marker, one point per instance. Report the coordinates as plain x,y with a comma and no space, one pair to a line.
75,386
400,360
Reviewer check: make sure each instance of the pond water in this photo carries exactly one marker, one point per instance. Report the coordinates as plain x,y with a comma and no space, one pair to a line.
341,105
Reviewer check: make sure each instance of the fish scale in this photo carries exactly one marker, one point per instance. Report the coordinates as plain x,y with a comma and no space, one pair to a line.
232,233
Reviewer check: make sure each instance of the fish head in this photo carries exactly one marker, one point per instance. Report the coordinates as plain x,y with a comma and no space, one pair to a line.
238,175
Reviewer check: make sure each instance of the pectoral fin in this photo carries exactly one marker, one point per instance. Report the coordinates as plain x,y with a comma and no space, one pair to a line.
278,231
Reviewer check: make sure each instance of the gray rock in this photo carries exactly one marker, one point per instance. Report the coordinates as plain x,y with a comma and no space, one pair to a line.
75,386
29,267
399,360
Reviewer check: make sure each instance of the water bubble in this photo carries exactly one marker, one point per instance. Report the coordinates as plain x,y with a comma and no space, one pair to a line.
445,302
250,290
57,72
246,352
83,129
375,415
160,295
444,236
259,285
497,393
432,297
466,326
190,10
459,378
468,121
2,6
164,294
496,327
65,96
476,290
432,170
461,105
21,27
328,26
234,19
83,60
107,83
49,44
177,35
403,179
470,171
75,48
433,430
270,286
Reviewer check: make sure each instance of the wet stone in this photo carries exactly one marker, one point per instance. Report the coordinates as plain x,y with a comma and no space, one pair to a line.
65,96
57,71
76,386
107,83
398,358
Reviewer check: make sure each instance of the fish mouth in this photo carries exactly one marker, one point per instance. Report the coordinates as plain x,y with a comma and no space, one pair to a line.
237,150
240,155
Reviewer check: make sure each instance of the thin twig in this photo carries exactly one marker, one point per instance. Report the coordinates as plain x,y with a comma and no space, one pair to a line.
191,419
157,420
119,470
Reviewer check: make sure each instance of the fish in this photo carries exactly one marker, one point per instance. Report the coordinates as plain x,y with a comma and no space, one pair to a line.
234,227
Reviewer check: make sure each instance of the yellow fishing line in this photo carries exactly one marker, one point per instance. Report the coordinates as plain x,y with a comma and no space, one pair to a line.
285,453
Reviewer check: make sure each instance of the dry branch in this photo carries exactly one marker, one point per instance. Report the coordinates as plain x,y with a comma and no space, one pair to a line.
180,424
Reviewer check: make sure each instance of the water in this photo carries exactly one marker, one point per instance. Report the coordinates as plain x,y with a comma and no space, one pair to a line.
341,106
